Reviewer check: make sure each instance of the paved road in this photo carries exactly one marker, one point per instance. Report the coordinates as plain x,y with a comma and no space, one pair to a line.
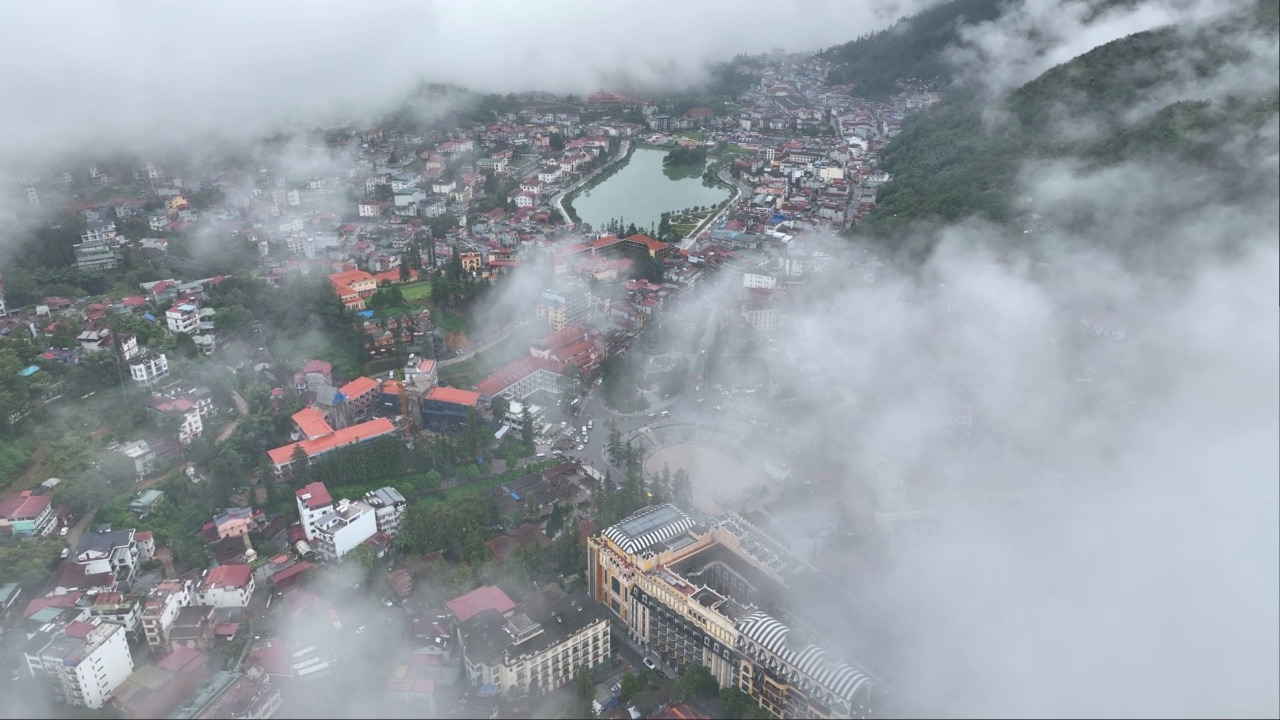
738,189
478,349
242,409
558,200
593,407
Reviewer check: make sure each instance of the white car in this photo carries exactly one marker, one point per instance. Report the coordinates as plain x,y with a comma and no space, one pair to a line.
650,664
581,448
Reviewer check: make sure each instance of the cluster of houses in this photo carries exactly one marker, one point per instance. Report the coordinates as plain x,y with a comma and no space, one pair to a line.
103,610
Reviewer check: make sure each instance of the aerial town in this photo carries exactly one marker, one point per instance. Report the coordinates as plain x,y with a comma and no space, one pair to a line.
306,469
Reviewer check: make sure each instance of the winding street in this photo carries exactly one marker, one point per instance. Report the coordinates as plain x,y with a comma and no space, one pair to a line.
558,200
739,190
242,409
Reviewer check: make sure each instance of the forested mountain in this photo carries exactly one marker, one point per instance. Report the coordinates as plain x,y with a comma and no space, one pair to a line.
1167,94
911,48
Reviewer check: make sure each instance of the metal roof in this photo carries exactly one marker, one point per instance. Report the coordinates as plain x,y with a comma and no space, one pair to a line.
810,660
649,526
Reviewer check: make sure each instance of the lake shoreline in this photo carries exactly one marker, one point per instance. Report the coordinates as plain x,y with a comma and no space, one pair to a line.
642,189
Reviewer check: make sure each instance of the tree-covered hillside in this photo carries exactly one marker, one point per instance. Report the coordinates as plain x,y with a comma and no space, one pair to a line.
911,48
1151,96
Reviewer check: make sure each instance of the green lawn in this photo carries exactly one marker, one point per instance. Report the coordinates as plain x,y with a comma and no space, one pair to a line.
693,135
383,313
416,291
450,321
488,483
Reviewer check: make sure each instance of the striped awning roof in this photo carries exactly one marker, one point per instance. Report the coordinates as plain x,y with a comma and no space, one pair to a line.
647,527
810,660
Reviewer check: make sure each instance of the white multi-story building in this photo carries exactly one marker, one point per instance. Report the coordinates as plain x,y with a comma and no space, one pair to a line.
127,345
183,318
226,586
388,509
105,550
161,609
758,281
521,654
314,502
149,367
85,659
343,529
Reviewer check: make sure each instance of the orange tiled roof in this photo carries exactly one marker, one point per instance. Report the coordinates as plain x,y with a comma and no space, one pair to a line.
346,436
457,396
312,423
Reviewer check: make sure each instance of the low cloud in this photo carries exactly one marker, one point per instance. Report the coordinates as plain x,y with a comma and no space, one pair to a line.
146,74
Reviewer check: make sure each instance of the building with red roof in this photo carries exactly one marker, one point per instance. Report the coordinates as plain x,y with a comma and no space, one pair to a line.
360,394
315,448
522,378
527,537
486,597
26,514
447,408
226,586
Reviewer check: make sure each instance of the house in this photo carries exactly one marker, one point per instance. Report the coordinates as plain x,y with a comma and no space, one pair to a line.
85,660
314,502
25,514
184,413
108,551
526,537
388,508
143,457
226,586
101,231
149,367
192,628
233,522
485,597
314,374
95,255
183,318
146,502
161,609
156,689
537,647
353,287
345,527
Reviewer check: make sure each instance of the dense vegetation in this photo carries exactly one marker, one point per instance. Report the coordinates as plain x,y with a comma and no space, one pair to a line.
960,159
912,48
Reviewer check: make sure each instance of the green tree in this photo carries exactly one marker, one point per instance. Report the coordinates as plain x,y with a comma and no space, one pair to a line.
363,562
526,426
234,321
696,683
732,703
387,297
498,407
432,480
27,561
584,691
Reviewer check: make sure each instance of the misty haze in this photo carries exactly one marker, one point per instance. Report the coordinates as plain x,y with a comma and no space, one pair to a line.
913,358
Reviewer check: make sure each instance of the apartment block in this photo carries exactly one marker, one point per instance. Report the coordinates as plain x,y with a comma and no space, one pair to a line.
85,660
388,508
161,609
537,646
